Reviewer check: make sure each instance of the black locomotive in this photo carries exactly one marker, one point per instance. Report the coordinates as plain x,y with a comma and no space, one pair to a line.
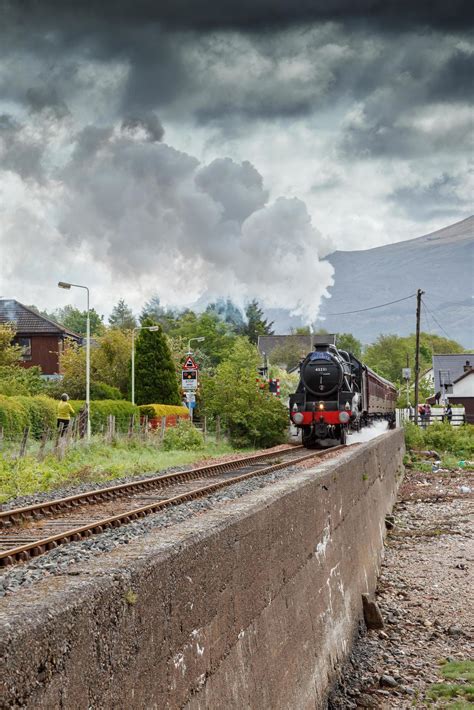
336,393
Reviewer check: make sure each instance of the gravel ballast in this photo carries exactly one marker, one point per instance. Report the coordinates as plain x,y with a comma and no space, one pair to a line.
59,560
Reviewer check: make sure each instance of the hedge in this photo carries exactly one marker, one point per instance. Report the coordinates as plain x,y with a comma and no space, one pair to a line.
42,413
152,411
16,413
13,415
101,409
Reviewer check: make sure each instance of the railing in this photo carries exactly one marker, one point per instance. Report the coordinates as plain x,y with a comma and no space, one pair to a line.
437,415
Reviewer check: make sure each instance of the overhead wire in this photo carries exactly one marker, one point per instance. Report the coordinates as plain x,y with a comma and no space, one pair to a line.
371,308
436,320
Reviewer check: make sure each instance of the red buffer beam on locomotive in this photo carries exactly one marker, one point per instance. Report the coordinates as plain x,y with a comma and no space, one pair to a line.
338,393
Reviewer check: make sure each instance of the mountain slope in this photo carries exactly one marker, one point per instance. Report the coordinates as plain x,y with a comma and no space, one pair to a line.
440,263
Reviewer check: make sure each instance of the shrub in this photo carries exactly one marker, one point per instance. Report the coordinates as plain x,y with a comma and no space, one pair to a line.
183,436
101,409
162,410
442,437
101,390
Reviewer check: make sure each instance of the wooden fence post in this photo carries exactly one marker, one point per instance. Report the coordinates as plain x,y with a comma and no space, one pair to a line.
24,441
110,428
57,438
44,440
218,429
162,429
145,428
131,426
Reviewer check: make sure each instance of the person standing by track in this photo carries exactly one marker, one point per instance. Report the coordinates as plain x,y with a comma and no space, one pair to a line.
64,413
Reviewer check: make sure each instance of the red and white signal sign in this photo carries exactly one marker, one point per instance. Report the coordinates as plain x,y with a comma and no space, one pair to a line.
190,364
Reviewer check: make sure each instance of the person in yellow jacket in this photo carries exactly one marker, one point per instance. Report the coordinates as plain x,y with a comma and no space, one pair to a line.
64,413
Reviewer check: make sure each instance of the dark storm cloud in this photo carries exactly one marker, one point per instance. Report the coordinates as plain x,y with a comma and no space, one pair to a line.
454,81
40,98
148,123
246,14
176,57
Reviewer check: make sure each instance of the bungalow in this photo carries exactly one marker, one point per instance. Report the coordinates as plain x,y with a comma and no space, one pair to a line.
42,340
454,379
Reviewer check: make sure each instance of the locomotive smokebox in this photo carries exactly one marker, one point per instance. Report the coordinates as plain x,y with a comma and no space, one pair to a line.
321,374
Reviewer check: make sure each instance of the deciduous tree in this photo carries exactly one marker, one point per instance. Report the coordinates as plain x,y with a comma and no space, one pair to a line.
251,416
9,354
75,320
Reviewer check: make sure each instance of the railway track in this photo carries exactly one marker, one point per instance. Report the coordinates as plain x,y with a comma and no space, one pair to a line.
33,530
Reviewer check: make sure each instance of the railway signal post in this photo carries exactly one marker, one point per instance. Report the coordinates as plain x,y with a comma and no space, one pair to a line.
189,383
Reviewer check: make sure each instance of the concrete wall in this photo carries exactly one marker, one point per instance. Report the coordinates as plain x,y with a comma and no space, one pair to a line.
248,606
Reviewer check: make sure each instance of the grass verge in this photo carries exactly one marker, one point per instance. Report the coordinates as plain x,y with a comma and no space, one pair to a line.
97,462
461,691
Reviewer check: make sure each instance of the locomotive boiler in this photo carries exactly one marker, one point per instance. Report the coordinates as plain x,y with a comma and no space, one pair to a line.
337,393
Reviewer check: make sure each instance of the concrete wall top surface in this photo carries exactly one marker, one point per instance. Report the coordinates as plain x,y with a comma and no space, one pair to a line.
249,604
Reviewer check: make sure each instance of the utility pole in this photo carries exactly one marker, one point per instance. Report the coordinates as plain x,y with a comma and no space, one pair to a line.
419,294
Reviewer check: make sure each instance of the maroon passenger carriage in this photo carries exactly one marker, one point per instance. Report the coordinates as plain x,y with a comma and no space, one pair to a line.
337,393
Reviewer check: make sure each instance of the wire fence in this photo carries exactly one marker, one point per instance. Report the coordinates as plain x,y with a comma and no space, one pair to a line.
58,441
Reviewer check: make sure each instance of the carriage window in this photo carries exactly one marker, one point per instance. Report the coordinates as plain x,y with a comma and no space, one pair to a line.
25,344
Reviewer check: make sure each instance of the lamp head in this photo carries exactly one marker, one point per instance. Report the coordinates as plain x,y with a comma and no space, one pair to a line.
64,284
153,328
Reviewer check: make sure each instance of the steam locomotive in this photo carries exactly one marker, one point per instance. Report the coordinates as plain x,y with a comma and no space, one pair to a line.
338,393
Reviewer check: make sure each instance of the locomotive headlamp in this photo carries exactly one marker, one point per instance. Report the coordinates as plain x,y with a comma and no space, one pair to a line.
347,405
295,407
344,417
298,418
321,405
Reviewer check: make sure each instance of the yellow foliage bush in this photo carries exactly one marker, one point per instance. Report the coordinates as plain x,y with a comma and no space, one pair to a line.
163,410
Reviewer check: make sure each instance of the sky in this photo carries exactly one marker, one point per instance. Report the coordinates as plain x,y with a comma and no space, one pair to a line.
197,150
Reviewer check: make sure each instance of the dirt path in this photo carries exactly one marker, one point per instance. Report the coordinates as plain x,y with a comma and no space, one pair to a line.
425,594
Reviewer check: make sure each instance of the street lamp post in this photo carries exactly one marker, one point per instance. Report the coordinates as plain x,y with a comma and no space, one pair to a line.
199,340
153,329
66,285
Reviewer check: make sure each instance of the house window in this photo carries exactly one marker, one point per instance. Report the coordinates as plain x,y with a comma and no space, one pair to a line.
25,345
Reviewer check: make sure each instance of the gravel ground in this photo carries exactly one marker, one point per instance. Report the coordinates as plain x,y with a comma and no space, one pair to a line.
88,486
56,561
425,596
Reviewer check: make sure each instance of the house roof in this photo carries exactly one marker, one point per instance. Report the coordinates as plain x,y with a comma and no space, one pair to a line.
452,364
465,374
27,322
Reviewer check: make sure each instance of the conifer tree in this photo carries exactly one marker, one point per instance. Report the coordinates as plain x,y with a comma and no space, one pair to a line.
122,317
256,324
155,375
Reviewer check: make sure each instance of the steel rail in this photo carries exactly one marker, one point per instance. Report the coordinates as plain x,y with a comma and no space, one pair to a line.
38,547
38,510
